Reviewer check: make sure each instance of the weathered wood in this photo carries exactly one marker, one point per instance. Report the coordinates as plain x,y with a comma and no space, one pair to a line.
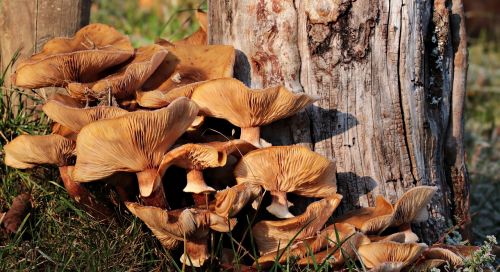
385,72
29,24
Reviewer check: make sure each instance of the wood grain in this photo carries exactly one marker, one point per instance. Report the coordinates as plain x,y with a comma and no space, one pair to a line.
385,72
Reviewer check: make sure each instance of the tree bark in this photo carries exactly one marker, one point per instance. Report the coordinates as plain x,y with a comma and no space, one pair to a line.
26,25
390,74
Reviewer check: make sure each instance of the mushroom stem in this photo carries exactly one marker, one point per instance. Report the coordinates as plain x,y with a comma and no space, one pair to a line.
196,253
196,183
252,135
151,189
279,205
83,197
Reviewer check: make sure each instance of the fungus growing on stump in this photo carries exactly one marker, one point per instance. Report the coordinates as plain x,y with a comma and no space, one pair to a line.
230,99
230,201
82,58
135,142
287,169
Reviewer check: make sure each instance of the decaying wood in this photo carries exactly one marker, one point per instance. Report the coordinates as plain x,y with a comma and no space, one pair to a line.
390,94
28,24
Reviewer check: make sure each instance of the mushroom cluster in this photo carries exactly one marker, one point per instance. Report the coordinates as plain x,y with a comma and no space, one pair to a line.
155,122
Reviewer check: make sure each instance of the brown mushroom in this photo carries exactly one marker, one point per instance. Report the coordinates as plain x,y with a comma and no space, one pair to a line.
345,247
370,219
375,254
427,265
274,235
230,201
135,142
82,58
287,169
406,236
125,82
388,267
332,238
187,64
248,109
156,99
194,158
27,151
76,118
412,205
436,252
188,225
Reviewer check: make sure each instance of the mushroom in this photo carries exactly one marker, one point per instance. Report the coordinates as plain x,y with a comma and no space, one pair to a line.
199,37
333,237
248,109
82,58
427,265
27,151
156,99
388,267
370,219
375,254
287,169
187,64
339,250
135,142
76,118
230,201
194,158
188,225
412,205
271,235
123,84
406,236
436,252
197,157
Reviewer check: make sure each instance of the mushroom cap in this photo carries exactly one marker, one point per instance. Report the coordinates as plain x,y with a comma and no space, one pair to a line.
26,151
230,201
388,267
269,235
377,253
436,252
66,100
193,156
131,143
294,169
76,118
230,99
412,205
334,234
157,99
370,219
125,82
81,58
173,226
348,242
399,237
427,265
186,64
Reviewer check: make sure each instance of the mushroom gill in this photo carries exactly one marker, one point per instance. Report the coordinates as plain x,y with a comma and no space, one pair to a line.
82,58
